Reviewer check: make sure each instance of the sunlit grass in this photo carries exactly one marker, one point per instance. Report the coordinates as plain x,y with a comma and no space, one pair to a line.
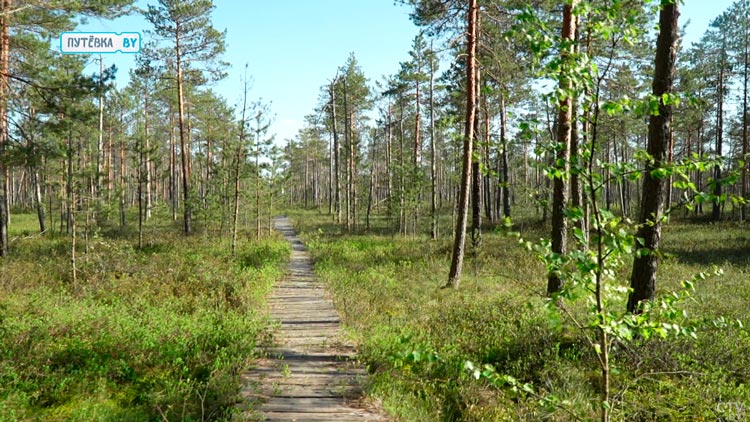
416,336
159,333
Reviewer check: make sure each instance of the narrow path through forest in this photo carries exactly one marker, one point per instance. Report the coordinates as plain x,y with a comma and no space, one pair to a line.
308,373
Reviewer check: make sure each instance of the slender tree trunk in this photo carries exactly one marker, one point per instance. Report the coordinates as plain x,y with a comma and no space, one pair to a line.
487,181
74,239
147,155
371,188
110,171
4,66
504,142
457,259
38,202
716,210
476,174
141,209
576,187
100,143
643,277
185,152
173,195
336,151
564,125
122,173
258,211
745,121
433,154
331,153
353,169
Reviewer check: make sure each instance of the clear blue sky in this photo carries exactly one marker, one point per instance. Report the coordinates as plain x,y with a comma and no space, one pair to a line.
293,47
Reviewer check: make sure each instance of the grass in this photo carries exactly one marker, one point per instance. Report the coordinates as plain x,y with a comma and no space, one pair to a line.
415,337
159,333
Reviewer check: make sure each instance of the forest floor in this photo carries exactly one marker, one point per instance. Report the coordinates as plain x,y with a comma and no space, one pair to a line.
416,338
161,332
165,332
308,373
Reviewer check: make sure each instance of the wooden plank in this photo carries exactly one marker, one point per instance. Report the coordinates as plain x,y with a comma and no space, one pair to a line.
306,405
308,373
306,417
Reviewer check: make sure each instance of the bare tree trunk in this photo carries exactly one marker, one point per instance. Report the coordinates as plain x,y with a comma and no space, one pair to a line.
110,170
564,124
336,151
457,259
504,141
185,152
4,65
476,174
433,153
239,160
147,155
141,210
371,188
331,154
643,277
487,181
38,199
745,122
388,159
716,210
123,220
100,144
353,169
74,239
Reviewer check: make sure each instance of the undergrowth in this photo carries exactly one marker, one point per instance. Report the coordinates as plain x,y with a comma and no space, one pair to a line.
159,333
416,337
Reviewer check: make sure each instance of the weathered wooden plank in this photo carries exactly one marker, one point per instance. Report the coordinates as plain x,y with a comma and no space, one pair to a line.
308,373
306,405
307,417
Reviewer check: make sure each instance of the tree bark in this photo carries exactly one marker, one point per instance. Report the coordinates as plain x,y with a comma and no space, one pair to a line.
336,152
504,174
643,277
187,205
433,163
716,209
562,162
4,65
745,121
459,242
476,174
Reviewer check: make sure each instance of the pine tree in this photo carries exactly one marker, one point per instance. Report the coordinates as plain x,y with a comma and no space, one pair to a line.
186,25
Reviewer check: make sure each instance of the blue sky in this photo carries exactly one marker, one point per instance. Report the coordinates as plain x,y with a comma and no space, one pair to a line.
292,47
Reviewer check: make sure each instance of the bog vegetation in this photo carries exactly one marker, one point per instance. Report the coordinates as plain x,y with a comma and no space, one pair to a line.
540,215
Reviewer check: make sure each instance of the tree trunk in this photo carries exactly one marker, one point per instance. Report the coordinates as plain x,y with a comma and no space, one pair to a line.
716,209
123,220
147,156
336,152
433,155
100,143
745,121
643,277
562,163
476,174
38,199
505,182
185,152
459,243
4,64
239,160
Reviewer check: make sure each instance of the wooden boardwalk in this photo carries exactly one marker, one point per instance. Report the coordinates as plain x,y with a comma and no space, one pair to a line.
308,373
